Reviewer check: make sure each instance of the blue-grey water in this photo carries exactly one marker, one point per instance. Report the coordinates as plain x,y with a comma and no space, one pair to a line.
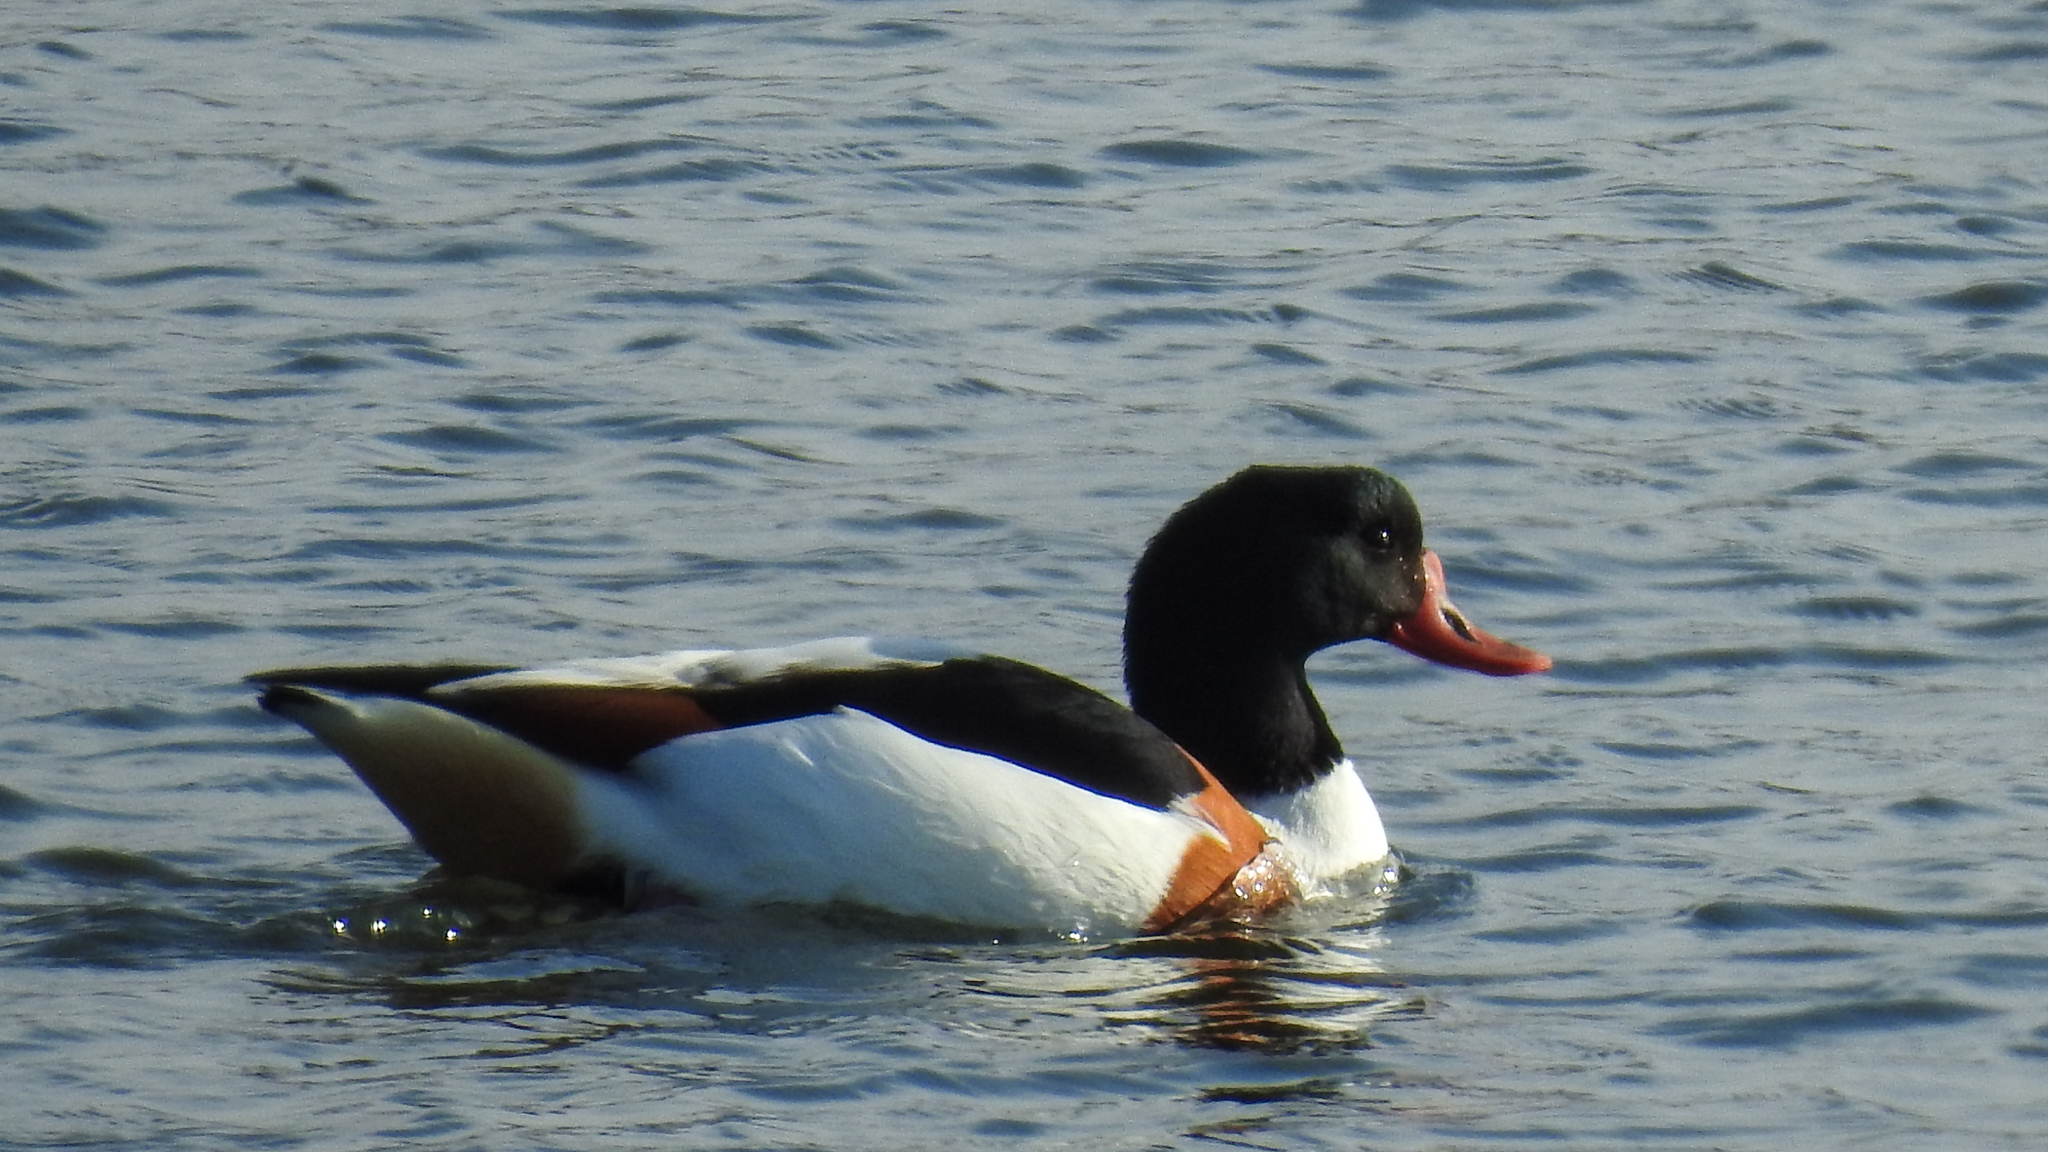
1710,335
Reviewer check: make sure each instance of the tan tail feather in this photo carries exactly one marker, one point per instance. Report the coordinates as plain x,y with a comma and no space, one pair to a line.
481,802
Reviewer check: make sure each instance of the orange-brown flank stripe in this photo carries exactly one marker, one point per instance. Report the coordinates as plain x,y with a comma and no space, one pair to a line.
601,726
1237,878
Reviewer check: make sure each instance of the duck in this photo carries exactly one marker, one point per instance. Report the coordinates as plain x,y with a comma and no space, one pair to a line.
934,782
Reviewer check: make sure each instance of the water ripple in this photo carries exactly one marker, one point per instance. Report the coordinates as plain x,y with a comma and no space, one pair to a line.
1995,297
412,28
1537,311
1787,1028
462,440
303,190
1180,153
1717,274
1331,73
49,229
71,510
2001,367
19,805
1601,357
644,18
20,284
1764,915
24,131
1453,177
180,273
587,154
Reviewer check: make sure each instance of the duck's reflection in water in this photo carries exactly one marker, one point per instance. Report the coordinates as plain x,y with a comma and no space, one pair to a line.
1306,981
1247,986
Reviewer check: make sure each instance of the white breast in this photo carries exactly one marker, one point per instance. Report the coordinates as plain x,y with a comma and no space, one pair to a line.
1329,829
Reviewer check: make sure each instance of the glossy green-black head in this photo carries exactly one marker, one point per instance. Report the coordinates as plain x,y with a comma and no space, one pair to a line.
1253,576
1298,558
1283,561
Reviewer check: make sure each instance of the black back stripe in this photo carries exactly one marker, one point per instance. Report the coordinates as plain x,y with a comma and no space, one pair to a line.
988,704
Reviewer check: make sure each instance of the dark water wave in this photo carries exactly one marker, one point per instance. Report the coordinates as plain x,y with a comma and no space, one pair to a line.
78,509
647,18
1749,916
49,228
1853,1014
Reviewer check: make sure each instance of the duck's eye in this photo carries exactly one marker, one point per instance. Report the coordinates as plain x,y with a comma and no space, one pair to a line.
1379,539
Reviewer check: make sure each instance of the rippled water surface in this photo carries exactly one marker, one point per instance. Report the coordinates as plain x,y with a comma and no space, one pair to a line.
1710,337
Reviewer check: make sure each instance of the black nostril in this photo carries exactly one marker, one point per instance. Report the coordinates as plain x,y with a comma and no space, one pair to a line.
1458,625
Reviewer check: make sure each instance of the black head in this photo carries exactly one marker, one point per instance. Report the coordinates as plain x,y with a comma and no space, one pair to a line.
1287,559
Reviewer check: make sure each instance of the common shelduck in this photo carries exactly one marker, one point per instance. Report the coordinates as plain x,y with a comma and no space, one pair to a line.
936,783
